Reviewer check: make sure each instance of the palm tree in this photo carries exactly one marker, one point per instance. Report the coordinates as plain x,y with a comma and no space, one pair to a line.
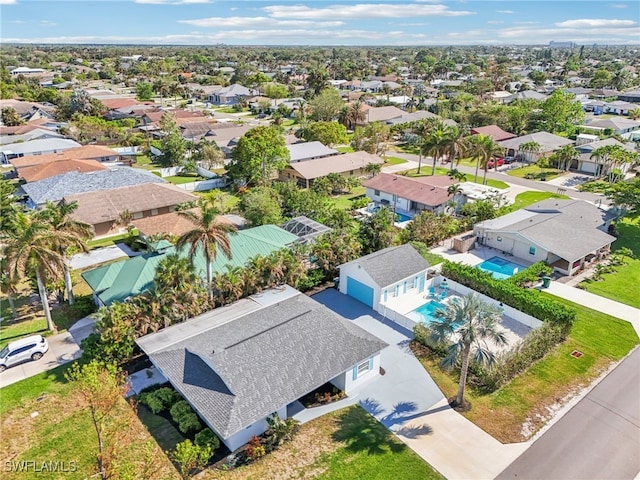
469,323
565,155
208,234
482,148
33,247
60,218
373,168
8,286
435,145
532,148
456,145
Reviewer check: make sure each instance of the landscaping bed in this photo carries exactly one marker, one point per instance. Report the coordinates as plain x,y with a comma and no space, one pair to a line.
323,395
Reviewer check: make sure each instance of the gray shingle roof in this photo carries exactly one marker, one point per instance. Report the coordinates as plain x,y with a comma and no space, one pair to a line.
71,183
238,372
390,265
307,150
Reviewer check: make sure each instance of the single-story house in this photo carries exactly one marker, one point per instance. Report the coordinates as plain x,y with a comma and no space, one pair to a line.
237,365
120,280
171,223
494,131
231,95
102,208
34,173
548,142
308,151
378,279
380,114
99,153
632,96
524,95
620,107
54,189
409,195
584,163
34,133
565,234
415,117
36,147
619,125
347,164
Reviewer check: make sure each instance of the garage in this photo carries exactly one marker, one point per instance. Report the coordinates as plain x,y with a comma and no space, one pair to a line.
360,291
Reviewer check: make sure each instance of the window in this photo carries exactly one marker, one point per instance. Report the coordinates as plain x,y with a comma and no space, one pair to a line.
499,239
376,192
363,368
137,215
532,250
154,211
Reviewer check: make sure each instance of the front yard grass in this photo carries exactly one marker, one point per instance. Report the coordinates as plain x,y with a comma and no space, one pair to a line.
535,173
111,240
425,171
393,160
520,408
343,201
622,285
343,445
525,199
181,179
62,431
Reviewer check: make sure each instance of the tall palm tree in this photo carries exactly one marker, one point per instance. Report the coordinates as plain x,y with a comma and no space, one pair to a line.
8,286
435,145
565,155
532,148
469,324
482,148
456,145
60,218
33,248
209,234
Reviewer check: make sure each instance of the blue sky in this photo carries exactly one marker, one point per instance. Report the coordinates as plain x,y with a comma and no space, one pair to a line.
327,22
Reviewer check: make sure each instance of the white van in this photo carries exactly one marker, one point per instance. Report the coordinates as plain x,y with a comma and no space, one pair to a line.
23,350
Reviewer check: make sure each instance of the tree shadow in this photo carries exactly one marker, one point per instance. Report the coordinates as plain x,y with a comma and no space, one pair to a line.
415,431
363,433
371,406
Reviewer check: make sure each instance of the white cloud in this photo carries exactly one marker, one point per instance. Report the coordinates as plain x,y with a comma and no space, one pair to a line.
363,11
506,12
595,23
618,5
47,23
8,2
256,22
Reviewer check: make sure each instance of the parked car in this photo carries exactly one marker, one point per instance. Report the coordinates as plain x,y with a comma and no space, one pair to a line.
495,161
23,350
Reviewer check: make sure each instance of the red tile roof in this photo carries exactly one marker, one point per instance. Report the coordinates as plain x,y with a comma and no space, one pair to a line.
494,132
34,173
430,191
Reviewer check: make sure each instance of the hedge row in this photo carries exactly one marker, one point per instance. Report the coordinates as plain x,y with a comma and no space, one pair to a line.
509,293
531,274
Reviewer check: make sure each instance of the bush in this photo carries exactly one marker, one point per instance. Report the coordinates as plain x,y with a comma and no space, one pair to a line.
527,301
185,417
207,438
422,335
313,278
531,274
255,449
189,457
152,402
160,399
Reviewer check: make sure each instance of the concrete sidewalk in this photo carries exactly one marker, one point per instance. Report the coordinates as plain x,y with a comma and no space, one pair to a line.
596,302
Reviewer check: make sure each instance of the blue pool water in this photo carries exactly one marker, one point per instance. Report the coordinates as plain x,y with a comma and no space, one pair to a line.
425,313
501,268
401,217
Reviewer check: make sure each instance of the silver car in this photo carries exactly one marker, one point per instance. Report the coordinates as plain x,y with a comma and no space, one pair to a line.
23,350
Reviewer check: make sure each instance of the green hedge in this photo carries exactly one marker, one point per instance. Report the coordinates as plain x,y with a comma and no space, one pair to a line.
509,293
531,274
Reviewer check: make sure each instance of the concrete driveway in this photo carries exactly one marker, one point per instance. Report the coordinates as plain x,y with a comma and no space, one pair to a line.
62,349
97,256
408,402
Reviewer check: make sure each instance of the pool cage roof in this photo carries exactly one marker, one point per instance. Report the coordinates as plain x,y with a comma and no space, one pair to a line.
305,228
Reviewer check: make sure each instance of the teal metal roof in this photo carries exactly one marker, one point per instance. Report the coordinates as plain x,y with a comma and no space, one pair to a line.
117,281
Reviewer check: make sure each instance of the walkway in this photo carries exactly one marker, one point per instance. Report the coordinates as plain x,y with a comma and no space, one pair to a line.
596,302
97,256
409,403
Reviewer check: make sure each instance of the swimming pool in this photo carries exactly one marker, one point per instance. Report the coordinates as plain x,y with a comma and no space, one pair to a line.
501,268
425,313
401,217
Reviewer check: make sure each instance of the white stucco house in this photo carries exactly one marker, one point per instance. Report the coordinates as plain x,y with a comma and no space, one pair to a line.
566,234
381,277
237,365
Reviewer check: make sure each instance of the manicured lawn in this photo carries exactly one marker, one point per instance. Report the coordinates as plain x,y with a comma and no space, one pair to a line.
433,258
525,199
595,186
347,444
394,160
180,179
107,241
406,148
519,409
622,285
344,149
535,172
62,430
21,328
469,177
344,201
160,428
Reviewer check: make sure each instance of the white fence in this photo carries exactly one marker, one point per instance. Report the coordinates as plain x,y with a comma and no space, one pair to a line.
169,171
205,185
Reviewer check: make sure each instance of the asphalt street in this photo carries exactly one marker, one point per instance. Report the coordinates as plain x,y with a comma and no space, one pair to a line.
599,438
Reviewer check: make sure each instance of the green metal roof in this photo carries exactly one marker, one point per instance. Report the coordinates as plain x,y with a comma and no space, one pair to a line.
120,280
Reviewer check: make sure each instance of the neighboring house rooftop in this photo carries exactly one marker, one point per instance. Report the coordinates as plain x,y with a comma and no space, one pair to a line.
525,95
172,223
392,264
412,117
35,173
81,152
72,183
431,191
237,371
308,150
32,134
120,280
382,114
619,123
106,205
494,131
321,167
41,145
548,141
567,228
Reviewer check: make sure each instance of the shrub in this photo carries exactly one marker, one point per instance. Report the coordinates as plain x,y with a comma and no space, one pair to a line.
531,274
160,399
189,457
255,449
527,301
152,402
422,335
185,417
281,430
207,437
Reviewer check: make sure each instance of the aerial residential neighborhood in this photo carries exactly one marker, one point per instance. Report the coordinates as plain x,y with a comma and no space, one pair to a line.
319,241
